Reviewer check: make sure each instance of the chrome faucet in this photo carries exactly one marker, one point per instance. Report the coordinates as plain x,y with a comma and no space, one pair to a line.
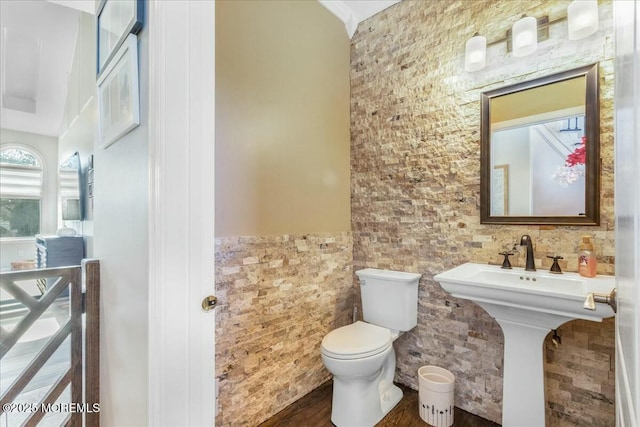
530,264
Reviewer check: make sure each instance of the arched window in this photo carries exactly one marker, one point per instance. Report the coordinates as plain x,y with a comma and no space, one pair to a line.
20,192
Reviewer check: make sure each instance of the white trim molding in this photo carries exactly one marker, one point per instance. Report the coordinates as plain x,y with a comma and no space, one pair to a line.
353,12
344,13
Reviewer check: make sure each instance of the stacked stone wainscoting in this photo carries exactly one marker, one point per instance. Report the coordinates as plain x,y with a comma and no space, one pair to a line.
580,375
279,296
415,130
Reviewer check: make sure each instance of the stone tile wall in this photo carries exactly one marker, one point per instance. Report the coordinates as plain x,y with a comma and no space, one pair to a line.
579,375
415,131
280,295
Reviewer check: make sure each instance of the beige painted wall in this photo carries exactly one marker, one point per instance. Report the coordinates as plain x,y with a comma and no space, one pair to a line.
283,241
282,119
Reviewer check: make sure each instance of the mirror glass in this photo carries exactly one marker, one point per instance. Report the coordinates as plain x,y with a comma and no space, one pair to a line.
70,188
540,151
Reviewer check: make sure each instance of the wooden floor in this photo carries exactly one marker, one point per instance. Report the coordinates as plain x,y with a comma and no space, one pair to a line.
314,410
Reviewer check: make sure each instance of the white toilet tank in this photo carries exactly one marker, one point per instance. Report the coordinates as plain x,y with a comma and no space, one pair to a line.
389,298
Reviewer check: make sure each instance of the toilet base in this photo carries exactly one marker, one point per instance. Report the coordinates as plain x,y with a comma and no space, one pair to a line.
362,403
390,398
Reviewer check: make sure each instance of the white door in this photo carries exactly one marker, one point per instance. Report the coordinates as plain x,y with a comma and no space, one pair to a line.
627,196
181,212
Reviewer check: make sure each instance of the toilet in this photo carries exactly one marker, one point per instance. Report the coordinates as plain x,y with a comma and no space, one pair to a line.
361,357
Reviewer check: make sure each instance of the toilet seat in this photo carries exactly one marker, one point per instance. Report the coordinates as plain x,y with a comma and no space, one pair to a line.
356,341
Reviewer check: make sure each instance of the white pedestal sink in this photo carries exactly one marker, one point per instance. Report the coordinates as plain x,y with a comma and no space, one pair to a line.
527,305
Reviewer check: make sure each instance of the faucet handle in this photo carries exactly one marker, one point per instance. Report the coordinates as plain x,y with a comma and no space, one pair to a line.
555,267
506,264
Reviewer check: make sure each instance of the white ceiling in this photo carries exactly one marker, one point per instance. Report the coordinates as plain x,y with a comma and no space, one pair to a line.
36,53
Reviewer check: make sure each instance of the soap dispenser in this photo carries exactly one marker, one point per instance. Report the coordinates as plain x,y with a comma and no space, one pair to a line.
586,259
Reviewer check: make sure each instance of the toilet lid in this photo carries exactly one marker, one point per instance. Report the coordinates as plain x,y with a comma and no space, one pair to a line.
356,341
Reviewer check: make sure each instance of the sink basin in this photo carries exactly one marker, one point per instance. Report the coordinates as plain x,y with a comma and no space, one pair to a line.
547,298
527,305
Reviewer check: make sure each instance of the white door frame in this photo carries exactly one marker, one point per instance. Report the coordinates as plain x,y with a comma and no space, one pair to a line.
627,173
181,212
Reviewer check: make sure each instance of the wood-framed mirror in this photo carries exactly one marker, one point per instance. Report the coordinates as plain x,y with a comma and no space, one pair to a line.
540,151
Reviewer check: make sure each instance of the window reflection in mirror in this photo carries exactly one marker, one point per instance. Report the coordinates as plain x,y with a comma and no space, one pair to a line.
538,138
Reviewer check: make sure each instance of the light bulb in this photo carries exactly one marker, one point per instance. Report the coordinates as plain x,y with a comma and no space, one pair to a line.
582,16
525,36
475,53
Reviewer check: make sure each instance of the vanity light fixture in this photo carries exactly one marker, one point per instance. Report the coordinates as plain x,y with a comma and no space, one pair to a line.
522,39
